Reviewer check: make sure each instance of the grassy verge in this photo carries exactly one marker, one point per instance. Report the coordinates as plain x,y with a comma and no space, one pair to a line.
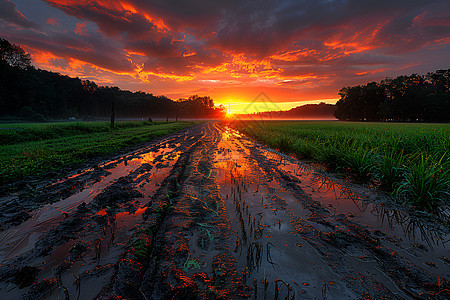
15,133
411,161
32,149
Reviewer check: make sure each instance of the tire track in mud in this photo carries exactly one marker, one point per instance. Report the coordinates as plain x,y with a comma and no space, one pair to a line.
380,272
17,207
341,236
188,254
97,229
208,214
266,254
346,235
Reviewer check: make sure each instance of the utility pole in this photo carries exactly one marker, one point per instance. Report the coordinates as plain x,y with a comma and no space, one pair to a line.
113,110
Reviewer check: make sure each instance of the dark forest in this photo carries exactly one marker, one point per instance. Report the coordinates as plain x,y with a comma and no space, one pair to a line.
28,93
414,98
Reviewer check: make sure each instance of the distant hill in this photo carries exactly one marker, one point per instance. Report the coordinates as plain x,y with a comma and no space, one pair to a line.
319,111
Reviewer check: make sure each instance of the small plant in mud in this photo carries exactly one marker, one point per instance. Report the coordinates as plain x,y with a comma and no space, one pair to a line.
169,195
140,249
254,256
191,264
328,156
112,227
269,256
164,207
427,183
284,143
151,230
204,241
325,290
389,169
66,293
78,250
219,277
98,249
288,287
266,285
78,284
360,161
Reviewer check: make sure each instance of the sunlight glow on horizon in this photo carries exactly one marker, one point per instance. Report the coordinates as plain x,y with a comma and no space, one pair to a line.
248,107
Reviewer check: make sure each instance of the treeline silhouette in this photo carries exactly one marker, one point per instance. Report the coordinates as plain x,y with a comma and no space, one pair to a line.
28,93
414,98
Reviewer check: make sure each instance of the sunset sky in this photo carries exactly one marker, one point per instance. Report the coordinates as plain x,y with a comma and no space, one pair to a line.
296,52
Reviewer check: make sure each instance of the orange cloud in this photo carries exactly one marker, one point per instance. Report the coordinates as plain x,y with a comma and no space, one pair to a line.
152,19
295,55
81,28
189,53
126,8
179,78
52,21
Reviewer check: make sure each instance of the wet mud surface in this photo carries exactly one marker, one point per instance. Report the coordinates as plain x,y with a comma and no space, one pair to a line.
208,214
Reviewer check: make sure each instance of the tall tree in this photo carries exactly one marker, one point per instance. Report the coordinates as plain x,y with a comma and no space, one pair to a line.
14,55
373,95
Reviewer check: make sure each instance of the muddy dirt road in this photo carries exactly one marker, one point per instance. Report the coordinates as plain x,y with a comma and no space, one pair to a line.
208,214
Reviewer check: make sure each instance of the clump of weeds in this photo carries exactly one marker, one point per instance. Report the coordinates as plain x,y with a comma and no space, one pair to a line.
427,183
191,264
140,250
360,161
328,155
390,169
284,143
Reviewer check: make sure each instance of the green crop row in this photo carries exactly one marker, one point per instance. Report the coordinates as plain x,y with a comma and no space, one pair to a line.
14,133
52,147
411,161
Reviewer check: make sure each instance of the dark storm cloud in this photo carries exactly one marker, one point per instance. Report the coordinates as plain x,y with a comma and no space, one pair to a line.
180,14
184,65
155,48
129,25
265,27
92,49
261,28
110,19
10,14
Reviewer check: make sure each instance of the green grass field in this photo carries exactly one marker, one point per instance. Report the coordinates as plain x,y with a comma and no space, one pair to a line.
31,149
411,161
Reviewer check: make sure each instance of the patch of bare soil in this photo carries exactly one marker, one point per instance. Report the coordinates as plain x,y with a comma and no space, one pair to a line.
208,214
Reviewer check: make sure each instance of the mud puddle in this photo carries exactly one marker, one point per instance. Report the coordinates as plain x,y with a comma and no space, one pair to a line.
405,233
271,258
83,265
21,238
295,230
